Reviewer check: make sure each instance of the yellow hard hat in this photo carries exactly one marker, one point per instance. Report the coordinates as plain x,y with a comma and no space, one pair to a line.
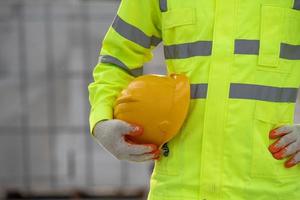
159,104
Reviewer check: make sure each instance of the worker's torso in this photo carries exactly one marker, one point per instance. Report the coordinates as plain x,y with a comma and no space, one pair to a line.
243,61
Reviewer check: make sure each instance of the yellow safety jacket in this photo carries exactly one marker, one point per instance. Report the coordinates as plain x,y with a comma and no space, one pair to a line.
243,61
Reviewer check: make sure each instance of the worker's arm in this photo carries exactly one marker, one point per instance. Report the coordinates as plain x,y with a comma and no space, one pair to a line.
287,145
127,45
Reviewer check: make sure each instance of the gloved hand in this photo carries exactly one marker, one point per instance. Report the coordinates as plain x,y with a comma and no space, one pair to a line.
288,144
111,135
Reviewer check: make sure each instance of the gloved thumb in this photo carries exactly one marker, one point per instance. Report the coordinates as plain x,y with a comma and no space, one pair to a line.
136,131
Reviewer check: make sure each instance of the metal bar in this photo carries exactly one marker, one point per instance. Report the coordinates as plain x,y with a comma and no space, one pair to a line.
51,95
124,171
85,35
13,130
23,90
96,17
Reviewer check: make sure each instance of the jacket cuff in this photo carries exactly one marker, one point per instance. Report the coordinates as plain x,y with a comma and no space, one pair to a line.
99,113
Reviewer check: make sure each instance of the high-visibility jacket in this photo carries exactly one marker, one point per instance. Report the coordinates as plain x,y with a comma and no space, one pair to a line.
243,61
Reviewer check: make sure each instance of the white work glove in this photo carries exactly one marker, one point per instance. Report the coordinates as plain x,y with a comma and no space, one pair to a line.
287,145
111,135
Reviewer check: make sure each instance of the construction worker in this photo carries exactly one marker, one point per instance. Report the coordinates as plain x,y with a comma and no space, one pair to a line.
242,58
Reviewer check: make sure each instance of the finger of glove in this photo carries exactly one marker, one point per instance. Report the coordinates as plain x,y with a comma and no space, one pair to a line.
156,158
287,151
156,154
292,149
136,131
129,129
141,158
112,128
123,128
278,132
283,142
137,149
294,160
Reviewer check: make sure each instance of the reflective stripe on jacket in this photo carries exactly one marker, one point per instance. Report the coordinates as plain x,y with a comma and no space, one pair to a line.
243,61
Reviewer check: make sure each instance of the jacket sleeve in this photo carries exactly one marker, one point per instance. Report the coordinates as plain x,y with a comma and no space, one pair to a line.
127,45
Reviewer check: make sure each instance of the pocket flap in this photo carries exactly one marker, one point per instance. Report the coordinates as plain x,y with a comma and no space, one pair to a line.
178,17
274,113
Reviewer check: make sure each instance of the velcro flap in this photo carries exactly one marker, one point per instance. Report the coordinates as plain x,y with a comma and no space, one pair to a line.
178,17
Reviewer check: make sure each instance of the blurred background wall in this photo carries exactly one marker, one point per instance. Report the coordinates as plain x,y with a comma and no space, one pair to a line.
48,49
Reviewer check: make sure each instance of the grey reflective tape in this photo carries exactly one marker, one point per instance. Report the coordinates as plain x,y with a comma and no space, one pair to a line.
200,48
155,41
163,5
249,47
263,93
112,60
290,52
198,91
134,34
137,72
296,4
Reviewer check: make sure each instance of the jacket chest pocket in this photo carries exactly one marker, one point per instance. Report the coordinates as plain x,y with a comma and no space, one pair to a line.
277,87
279,39
179,25
181,34
278,64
